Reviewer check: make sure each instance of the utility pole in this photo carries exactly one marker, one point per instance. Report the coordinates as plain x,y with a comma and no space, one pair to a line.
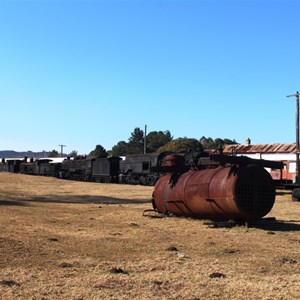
145,142
296,95
61,150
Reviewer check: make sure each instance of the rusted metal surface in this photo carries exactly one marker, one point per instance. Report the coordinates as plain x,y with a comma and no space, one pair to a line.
244,192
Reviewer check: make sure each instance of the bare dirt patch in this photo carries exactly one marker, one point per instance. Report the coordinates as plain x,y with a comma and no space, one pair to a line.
74,240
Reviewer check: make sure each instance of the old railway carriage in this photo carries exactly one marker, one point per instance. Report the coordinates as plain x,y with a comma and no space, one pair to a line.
10,165
99,169
105,169
138,168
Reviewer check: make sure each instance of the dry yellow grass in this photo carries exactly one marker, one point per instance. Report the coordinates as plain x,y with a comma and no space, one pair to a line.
74,240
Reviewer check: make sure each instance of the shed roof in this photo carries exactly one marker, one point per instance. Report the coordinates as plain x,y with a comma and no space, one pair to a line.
260,148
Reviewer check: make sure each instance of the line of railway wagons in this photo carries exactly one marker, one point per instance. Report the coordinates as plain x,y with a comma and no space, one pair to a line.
132,169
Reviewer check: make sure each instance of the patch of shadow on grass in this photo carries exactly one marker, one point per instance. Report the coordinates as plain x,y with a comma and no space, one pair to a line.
11,202
283,192
9,283
86,199
118,271
271,225
276,225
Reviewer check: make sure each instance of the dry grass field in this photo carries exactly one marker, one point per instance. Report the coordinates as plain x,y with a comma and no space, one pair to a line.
74,240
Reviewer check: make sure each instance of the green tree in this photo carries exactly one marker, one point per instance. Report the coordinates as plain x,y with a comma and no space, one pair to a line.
73,153
99,151
136,142
53,153
230,142
120,149
219,143
182,145
157,139
209,143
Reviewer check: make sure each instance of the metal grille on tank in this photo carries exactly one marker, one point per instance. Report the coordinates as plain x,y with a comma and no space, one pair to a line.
254,198
266,197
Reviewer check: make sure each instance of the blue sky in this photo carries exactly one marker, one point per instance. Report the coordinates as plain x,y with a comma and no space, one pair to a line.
82,73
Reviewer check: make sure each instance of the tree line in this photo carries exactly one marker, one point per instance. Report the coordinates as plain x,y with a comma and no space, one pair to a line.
156,141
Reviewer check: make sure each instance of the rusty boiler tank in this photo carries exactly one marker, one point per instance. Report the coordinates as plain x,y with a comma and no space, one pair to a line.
233,188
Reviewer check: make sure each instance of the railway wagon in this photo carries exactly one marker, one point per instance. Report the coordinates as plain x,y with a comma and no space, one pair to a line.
28,167
137,168
79,168
46,167
3,166
98,169
105,169
42,166
10,165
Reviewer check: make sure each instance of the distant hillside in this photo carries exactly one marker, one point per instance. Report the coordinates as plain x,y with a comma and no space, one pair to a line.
15,154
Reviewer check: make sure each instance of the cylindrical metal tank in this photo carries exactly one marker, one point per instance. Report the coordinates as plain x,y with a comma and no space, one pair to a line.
223,193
